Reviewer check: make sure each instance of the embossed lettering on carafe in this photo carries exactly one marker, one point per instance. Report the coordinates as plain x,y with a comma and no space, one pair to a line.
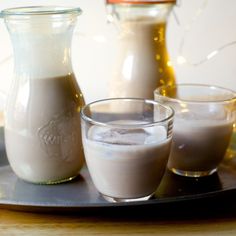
60,135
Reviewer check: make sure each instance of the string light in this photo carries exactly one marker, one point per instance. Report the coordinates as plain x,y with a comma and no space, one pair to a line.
181,59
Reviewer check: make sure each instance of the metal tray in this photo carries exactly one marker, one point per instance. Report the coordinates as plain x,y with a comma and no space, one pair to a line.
80,194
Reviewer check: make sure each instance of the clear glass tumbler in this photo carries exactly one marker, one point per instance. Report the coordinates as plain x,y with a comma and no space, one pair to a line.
203,126
126,150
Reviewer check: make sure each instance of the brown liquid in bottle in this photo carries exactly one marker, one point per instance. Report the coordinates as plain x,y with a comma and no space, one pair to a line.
142,63
42,133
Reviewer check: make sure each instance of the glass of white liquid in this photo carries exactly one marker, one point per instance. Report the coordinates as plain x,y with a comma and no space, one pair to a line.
127,144
203,126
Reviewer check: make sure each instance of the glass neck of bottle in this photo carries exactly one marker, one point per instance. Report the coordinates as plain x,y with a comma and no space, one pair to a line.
41,44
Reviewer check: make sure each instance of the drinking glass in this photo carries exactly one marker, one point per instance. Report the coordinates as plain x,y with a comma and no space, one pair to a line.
127,145
203,126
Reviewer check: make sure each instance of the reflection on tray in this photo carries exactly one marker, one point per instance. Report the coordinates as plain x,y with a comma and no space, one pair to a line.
62,193
174,185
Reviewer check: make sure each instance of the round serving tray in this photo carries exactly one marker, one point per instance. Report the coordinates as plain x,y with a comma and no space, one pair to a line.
81,194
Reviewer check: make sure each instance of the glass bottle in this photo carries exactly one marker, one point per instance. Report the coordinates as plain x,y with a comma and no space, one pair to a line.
142,61
42,121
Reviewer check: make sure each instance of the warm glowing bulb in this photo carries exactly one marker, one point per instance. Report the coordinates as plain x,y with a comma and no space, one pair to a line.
181,60
212,54
110,18
169,63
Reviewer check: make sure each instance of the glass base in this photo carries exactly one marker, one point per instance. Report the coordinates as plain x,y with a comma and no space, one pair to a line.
51,182
114,199
193,173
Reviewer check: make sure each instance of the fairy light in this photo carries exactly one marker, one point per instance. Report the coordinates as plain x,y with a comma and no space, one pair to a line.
181,59
110,18
212,54
169,63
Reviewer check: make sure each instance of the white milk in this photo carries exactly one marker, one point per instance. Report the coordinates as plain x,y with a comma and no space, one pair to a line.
126,164
42,130
199,145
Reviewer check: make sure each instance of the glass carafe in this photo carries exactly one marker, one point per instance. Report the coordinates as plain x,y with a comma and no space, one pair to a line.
42,121
142,61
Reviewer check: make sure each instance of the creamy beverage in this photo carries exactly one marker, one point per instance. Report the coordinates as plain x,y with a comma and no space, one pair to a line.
203,126
142,62
126,163
199,145
42,131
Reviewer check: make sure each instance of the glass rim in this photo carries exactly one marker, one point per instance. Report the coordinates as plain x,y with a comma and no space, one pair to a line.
172,99
129,126
40,10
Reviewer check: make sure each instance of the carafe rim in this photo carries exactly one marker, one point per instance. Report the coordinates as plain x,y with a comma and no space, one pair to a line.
39,10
